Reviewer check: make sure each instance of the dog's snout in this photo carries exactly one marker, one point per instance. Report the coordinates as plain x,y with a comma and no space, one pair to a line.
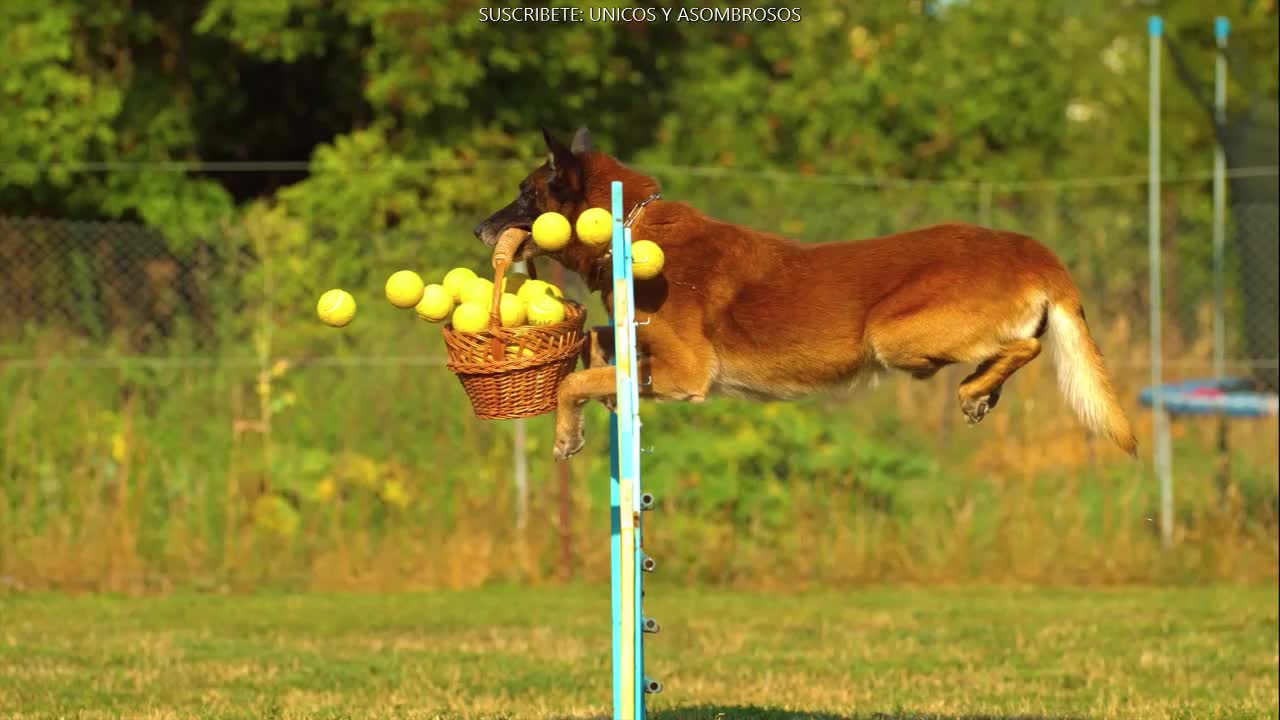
479,231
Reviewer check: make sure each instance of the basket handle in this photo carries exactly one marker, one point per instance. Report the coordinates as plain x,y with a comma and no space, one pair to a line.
503,253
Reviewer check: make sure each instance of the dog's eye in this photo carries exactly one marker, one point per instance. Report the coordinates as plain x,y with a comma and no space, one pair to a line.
559,189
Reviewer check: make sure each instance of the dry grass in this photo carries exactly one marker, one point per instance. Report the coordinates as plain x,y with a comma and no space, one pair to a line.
886,654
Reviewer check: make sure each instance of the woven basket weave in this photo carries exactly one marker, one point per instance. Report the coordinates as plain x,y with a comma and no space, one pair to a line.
515,372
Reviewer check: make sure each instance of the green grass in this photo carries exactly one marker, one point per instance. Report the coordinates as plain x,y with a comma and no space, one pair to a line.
951,653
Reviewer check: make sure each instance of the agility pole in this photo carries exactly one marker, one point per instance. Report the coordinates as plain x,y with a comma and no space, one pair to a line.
627,560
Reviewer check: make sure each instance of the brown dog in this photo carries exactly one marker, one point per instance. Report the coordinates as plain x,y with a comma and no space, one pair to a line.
743,313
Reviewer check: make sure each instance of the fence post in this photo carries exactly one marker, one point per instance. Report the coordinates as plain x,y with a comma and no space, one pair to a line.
1160,447
564,481
520,459
1221,28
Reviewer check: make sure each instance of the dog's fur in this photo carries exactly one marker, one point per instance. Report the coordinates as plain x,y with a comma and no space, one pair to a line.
744,313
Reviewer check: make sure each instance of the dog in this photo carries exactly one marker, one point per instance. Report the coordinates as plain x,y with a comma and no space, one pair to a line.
738,312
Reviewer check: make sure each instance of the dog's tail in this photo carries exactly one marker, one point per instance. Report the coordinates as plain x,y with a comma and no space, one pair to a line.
1082,374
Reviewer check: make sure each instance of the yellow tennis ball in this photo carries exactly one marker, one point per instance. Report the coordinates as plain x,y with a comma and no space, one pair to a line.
545,310
595,226
531,289
646,259
436,303
453,281
555,291
551,231
511,311
513,350
404,288
478,291
336,308
471,318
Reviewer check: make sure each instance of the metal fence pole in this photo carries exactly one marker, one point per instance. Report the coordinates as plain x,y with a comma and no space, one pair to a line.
1221,27
1160,418
520,458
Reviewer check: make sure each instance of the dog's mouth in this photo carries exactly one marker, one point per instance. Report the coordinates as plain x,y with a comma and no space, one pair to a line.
525,250
491,237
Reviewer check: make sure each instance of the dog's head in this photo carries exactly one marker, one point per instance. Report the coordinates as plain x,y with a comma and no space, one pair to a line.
558,185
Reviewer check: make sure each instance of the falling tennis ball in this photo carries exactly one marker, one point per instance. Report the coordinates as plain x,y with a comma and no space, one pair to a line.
336,308
646,259
551,231
545,310
404,288
512,282
453,281
595,226
471,318
478,291
511,311
436,303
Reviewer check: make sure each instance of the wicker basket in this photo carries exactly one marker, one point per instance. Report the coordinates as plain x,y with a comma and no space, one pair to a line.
515,372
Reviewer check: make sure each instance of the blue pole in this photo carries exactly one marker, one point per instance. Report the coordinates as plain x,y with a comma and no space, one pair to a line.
615,517
633,390
615,575
625,550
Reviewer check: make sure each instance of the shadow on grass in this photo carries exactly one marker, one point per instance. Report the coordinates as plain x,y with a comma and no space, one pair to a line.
755,712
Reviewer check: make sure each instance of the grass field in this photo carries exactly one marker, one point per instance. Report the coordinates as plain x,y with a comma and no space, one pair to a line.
887,654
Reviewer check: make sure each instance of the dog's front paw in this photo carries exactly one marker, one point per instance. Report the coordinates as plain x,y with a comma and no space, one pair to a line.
975,409
568,443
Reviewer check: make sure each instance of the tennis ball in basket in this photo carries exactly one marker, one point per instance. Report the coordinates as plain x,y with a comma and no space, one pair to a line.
404,288
595,226
512,350
537,288
336,308
471,318
453,281
551,231
436,303
511,311
478,291
646,259
531,289
545,310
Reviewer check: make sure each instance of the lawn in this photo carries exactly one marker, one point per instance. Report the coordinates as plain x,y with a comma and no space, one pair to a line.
880,653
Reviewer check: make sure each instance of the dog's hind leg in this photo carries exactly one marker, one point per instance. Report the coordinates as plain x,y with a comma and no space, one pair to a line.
980,392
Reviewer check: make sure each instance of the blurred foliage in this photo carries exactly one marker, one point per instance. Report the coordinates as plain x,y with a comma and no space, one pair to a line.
375,90
415,120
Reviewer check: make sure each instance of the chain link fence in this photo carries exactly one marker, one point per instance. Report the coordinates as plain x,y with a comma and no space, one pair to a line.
191,389
91,291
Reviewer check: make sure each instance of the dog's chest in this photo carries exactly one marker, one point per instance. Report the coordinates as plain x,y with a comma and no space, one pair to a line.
763,383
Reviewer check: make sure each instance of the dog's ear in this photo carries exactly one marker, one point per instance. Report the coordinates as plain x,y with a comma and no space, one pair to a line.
559,157
581,141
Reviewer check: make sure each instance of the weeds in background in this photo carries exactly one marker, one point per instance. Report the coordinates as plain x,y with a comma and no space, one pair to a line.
378,477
